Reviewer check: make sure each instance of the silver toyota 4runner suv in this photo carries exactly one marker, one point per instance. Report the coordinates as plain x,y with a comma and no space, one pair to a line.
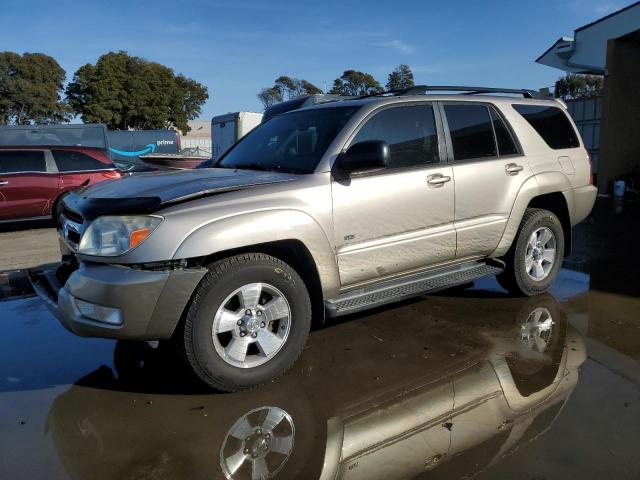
323,211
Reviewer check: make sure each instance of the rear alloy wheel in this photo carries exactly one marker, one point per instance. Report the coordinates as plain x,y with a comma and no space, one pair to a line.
534,260
540,255
247,322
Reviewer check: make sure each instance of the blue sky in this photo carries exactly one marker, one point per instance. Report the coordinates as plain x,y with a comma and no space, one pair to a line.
236,47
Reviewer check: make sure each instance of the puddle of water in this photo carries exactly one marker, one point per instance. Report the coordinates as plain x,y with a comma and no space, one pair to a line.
452,385
14,284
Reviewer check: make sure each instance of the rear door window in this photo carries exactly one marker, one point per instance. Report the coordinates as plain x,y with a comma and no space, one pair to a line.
70,161
471,131
506,145
22,161
552,125
410,133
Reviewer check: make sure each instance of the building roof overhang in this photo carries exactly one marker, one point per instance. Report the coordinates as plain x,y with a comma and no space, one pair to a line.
586,51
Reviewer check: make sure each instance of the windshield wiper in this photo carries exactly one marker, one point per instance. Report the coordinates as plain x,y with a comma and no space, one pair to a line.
249,166
278,168
261,168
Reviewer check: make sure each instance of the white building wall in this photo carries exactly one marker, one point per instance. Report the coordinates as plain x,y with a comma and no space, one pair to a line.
198,140
591,41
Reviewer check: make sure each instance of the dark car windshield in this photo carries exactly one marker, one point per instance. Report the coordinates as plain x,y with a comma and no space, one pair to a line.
293,142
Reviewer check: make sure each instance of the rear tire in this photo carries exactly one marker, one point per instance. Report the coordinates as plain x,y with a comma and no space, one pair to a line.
535,257
247,322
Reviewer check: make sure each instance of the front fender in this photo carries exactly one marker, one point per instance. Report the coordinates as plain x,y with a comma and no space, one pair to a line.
266,226
547,182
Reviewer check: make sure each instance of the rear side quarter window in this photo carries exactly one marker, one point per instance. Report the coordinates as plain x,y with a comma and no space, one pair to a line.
506,143
551,123
71,161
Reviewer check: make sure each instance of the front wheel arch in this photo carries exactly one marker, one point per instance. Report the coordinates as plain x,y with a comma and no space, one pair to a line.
57,204
292,252
193,334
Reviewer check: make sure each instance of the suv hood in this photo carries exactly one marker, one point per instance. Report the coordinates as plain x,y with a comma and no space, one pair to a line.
148,191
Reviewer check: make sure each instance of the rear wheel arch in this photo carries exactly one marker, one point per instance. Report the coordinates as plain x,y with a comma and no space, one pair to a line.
538,243
556,203
547,189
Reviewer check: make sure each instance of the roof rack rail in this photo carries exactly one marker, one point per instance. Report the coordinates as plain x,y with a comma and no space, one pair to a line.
424,89
379,94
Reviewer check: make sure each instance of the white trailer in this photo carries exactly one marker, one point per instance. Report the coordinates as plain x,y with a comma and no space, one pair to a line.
229,128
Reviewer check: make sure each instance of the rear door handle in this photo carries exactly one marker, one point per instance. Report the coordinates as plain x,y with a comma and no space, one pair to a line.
437,180
513,168
3,183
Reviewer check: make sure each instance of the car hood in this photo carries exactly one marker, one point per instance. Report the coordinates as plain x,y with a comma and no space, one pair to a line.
181,184
149,191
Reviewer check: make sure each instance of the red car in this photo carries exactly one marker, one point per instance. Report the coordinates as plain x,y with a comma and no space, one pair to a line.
34,178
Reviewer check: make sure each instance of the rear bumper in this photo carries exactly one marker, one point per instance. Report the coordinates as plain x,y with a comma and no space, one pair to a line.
149,303
584,198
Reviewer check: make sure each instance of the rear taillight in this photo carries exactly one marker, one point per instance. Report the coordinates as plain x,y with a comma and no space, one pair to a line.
590,168
112,175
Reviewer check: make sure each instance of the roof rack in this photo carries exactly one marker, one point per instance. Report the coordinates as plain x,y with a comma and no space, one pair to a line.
424,89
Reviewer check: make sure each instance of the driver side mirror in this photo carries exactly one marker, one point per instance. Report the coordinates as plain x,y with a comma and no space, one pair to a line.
363,157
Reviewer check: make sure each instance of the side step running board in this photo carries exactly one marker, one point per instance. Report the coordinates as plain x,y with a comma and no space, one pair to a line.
406,287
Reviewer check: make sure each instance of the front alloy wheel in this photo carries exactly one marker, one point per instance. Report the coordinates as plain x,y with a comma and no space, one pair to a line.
251,325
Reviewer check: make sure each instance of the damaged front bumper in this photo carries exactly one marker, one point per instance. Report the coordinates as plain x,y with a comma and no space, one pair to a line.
115,301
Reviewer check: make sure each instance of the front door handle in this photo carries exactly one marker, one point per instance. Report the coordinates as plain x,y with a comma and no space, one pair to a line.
3,183
437,180
513,168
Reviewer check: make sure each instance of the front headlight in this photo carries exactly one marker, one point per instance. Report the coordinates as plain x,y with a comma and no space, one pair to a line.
113,236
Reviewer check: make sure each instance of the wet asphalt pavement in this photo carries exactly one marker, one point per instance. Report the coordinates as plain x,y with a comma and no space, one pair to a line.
465,383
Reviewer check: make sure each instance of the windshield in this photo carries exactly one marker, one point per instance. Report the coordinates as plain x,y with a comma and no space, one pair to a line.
294,142
54,135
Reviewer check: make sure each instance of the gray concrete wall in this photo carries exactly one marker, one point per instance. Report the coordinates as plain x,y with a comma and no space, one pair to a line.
620,129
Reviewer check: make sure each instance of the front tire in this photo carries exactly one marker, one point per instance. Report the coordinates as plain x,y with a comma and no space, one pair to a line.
247,322
534,259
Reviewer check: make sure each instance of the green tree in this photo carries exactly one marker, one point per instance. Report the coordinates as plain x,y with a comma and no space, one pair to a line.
400,78
574,86
130,92
30,89
270,96
309,88
286,87
295,87
355,83
186,101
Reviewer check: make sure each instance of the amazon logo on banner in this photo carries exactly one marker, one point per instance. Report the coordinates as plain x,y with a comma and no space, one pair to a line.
150,148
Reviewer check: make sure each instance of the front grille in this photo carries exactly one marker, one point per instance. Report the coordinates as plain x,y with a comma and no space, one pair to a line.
70,227
73,237
71,215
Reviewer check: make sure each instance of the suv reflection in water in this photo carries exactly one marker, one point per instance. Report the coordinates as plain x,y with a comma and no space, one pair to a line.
447,398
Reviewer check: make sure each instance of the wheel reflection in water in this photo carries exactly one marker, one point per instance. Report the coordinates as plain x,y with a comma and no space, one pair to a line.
258,444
